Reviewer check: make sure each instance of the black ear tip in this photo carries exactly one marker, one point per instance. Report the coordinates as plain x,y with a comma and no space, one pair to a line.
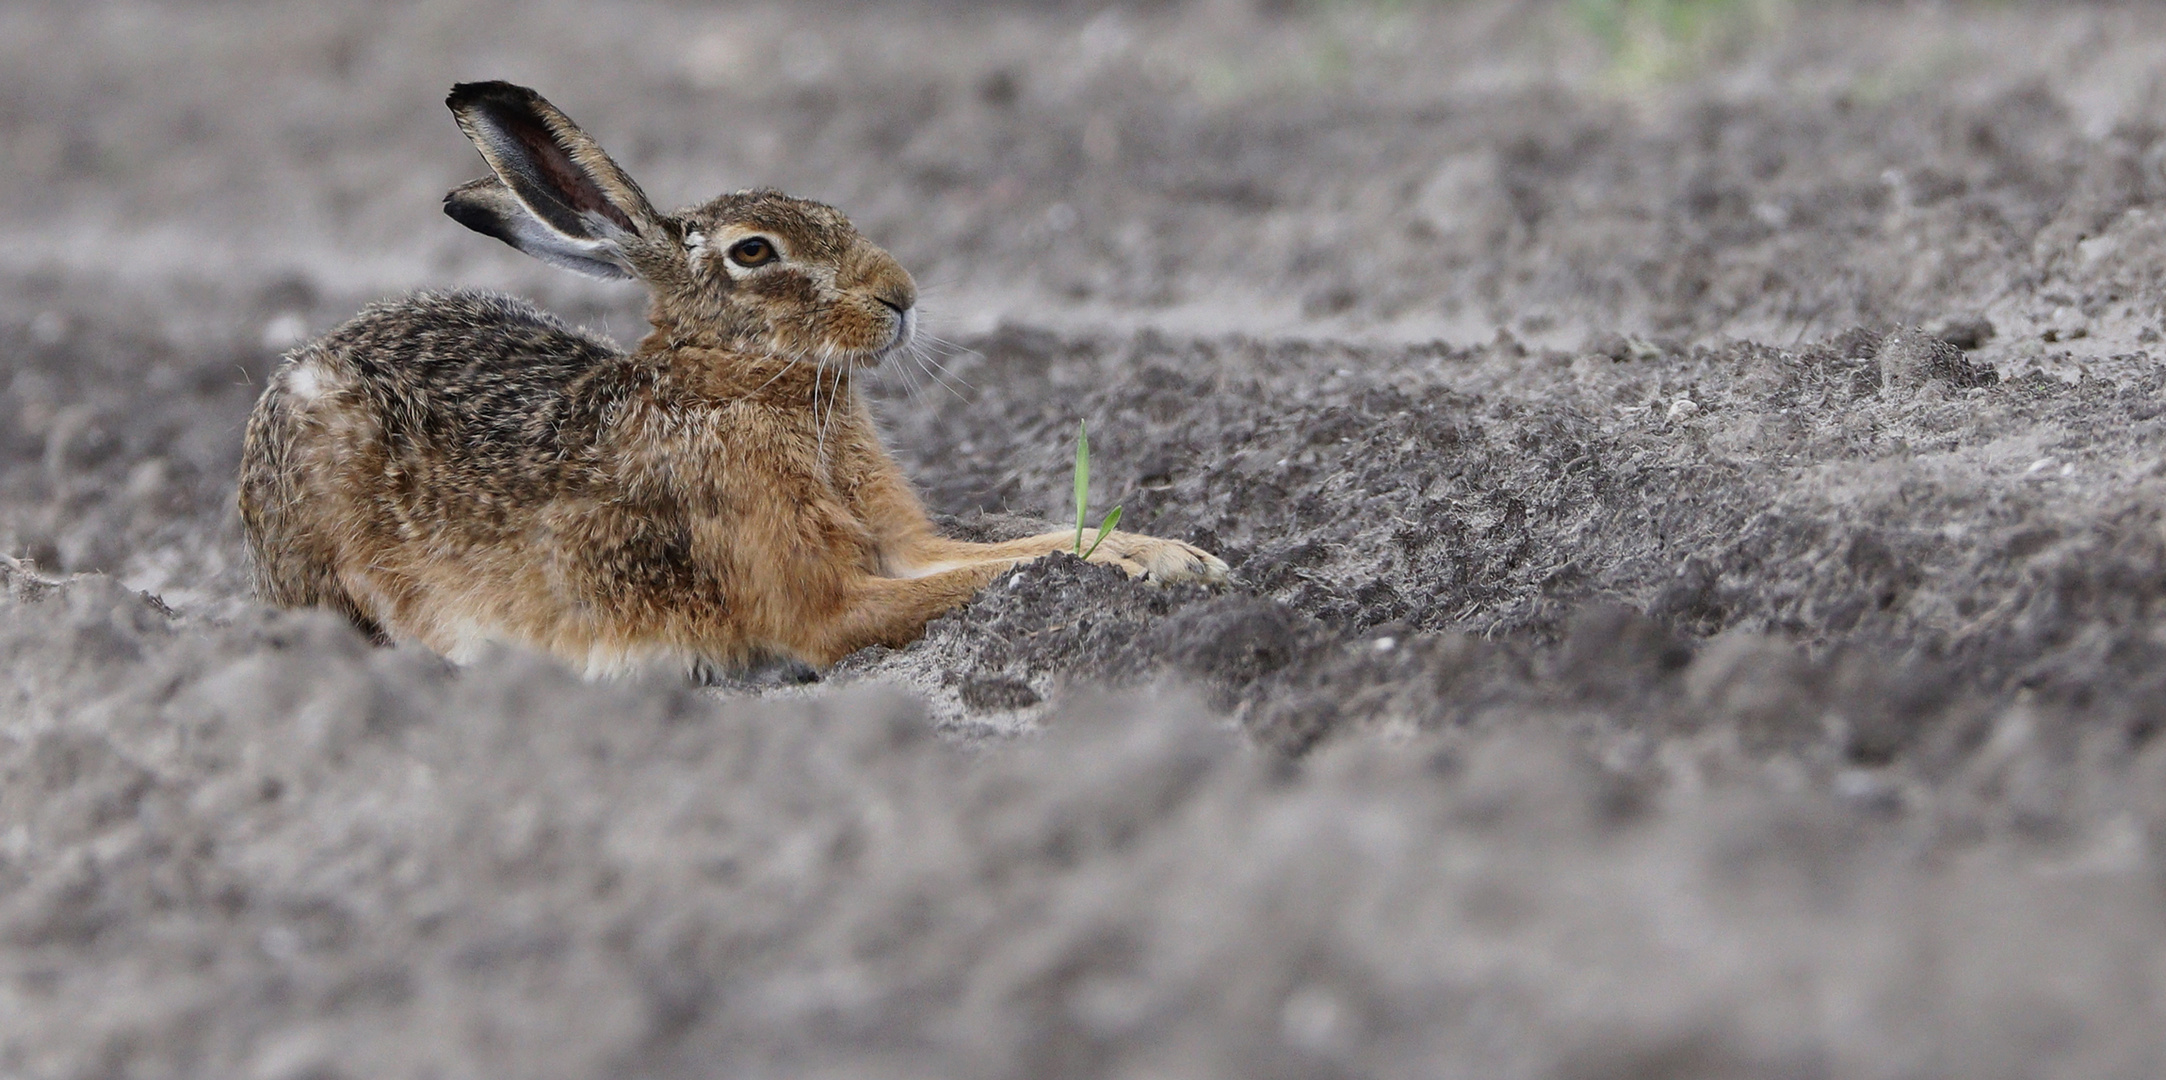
496,90
476,217
466,205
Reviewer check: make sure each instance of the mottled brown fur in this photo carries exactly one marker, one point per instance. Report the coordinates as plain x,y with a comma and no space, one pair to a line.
461,467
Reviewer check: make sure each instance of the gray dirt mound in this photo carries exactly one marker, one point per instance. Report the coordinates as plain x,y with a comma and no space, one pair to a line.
121,448
268,849
1888,493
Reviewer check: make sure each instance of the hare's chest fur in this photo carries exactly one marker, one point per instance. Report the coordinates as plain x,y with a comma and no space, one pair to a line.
741,460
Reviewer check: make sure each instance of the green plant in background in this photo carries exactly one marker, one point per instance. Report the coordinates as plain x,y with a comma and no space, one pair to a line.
1082,493
1649,40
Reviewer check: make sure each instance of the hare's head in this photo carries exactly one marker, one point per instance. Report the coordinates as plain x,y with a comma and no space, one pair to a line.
756,271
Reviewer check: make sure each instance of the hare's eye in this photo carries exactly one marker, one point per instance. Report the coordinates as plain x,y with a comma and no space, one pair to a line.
752,251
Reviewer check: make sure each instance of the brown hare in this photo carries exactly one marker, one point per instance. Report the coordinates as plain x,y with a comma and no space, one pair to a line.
461,468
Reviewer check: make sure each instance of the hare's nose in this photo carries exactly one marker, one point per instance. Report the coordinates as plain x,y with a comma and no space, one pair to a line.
905,318
898,295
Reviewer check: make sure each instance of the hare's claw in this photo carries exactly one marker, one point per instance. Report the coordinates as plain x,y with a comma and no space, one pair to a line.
1162,562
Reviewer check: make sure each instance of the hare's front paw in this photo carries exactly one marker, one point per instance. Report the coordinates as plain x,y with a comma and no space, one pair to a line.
1165,562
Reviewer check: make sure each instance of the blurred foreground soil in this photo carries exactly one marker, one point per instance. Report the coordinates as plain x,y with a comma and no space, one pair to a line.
1700,530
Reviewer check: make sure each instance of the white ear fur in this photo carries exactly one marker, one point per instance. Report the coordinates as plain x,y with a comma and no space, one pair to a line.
488,207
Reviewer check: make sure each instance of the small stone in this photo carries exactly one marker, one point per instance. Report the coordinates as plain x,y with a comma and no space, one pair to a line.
1465,196
1910,358
1683,407
997,693
284,331
1331,300
1000,88
1867,791
1965,332
1856,343
1612,345
1314,1020
49,327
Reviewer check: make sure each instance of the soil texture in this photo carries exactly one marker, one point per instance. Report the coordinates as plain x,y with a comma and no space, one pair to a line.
1699,536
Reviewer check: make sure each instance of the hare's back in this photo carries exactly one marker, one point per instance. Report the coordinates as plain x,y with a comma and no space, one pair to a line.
467,373
438,415
422,428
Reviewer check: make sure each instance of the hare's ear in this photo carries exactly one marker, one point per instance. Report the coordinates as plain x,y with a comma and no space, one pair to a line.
556,195
489,208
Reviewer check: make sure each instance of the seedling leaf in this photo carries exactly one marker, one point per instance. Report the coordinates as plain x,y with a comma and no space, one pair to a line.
1105,528
1083,493
1082,479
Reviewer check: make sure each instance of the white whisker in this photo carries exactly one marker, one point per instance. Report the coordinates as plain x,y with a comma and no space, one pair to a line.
824,420
932,367
819,431
771,378
912,380
819,419
953,350
944,384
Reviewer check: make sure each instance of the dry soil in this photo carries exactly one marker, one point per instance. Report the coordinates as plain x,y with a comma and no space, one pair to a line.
1700,531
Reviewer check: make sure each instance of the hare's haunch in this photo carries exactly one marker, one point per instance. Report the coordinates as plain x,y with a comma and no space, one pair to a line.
461,468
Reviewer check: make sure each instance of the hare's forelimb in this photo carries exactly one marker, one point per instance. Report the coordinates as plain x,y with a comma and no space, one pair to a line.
893,611
1165,562
909,546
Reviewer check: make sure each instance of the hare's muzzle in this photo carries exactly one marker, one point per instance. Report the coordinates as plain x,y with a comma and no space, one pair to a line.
882,301
905,316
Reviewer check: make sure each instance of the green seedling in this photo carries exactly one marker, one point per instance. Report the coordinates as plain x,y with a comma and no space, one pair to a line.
1082,493
1652,40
